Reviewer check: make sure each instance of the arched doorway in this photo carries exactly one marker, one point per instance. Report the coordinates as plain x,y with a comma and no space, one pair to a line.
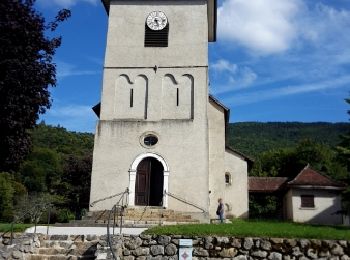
133,172
149,183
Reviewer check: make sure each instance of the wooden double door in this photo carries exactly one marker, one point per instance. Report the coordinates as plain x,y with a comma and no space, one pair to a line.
149,183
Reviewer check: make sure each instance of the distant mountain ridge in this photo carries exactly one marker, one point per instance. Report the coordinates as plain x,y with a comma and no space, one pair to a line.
253,138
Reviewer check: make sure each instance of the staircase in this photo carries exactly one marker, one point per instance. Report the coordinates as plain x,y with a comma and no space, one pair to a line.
64,247
137,217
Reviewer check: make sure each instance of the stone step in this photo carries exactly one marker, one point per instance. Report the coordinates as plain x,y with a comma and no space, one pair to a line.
59,257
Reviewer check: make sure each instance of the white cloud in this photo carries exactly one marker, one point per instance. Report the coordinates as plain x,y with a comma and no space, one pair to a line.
325,24
257,96
65,3
262,26
235,77
224,65
65,69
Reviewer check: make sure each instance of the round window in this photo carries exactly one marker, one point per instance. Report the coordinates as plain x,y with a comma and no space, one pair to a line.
150,140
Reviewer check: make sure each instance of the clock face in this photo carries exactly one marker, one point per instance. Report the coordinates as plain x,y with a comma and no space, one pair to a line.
156,20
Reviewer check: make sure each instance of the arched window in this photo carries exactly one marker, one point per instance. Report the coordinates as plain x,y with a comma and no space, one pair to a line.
228,178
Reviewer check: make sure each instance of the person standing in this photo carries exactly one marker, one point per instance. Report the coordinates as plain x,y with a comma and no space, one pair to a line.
220,210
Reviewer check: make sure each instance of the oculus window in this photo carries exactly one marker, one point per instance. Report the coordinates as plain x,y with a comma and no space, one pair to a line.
150,140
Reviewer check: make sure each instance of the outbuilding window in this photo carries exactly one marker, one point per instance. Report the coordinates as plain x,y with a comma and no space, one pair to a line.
307,201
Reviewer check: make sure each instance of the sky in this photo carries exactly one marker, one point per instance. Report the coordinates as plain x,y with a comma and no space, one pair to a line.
274,60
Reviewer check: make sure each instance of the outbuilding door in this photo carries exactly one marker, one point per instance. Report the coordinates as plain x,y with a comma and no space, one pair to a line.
149,183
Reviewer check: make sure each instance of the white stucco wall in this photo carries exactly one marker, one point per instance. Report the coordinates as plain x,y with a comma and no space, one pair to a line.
327,202
188,34
235,195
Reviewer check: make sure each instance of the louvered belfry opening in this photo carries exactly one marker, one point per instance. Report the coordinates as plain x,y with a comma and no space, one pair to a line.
155,38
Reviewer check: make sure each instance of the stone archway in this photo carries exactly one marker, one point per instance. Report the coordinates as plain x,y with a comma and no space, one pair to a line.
139,160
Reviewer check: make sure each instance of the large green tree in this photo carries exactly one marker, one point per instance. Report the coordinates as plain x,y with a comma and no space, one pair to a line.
26,72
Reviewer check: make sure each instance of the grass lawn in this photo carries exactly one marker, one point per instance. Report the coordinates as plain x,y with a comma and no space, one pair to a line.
6,227
256,228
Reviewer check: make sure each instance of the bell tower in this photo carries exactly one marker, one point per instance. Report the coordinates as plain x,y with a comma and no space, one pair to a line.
152,132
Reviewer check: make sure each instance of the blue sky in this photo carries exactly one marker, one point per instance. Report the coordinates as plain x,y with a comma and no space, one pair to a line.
274,60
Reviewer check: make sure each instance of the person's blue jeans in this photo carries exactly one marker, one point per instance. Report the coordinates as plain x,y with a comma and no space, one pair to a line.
221,217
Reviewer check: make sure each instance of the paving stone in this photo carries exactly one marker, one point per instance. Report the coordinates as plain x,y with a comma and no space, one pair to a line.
259,253
265,245
231,252
200,252
220,240
17,254
312,253
248,243
236,243
142,251
276,240
337,250
170,249
157,250
275,256
164,240
304,243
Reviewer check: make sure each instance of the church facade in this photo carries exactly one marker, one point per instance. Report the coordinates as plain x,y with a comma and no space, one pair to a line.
160,134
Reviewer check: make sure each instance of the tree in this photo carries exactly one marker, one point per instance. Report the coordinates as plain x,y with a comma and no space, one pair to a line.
343,150
76,180
26,72
10,192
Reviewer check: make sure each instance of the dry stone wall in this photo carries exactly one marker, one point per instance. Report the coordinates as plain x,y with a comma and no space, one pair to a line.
148,247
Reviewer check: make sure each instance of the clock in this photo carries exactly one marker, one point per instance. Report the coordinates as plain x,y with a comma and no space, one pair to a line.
156,20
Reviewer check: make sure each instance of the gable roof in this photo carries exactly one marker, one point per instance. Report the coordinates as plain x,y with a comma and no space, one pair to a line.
212,16
239,154
225,108
308,176
267,184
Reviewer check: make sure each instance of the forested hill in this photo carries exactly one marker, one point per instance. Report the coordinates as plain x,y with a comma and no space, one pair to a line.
62,141
250,138
253,138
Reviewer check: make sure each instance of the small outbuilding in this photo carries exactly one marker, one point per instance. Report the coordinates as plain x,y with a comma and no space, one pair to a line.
310,197
314,198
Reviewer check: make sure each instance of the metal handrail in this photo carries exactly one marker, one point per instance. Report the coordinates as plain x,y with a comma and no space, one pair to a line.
122,205
184,201
106,198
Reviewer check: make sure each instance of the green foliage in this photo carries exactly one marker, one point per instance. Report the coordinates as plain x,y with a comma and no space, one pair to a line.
241,228
253,138
6,196
39,172
59,168
6,227
60,140
288,162
265,207
76,179
27,71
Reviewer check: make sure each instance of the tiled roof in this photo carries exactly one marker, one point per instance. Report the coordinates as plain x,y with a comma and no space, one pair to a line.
266,184
309,176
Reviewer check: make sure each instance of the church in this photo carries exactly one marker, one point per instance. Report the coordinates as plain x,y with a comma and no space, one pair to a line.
160,134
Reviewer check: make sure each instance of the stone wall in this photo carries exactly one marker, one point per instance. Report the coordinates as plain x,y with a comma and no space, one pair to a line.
144,247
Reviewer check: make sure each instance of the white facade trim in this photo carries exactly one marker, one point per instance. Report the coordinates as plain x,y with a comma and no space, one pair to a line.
132,177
